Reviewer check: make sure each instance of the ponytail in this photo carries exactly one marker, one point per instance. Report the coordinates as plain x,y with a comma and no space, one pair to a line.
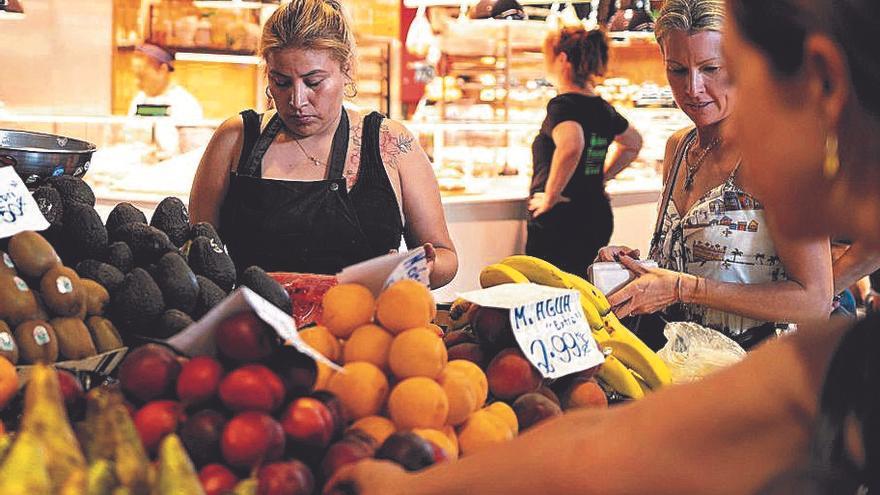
587,52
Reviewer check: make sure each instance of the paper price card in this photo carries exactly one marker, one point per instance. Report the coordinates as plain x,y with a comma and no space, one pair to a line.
378,273
548,324
18,210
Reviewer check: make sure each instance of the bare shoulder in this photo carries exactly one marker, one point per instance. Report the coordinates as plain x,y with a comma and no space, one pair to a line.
396,142
225,145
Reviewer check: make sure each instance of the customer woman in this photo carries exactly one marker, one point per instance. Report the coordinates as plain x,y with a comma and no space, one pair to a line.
313,186
813,84
718,255
571,215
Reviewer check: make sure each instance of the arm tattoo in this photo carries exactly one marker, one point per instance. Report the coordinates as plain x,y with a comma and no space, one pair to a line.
392,146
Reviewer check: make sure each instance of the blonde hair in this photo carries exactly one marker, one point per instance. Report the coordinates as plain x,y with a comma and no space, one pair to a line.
311,25
690,16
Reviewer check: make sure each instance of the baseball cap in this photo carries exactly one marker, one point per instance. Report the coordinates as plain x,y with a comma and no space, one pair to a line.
157,53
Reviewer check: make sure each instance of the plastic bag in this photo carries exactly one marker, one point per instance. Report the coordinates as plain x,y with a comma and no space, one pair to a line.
694,351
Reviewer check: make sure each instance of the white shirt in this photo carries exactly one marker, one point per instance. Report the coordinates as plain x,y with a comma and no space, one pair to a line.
182,108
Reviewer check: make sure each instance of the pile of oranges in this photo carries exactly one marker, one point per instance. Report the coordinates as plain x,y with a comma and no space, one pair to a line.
396,373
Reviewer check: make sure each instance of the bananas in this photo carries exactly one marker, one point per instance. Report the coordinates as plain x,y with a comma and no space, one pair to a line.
538,271
631,368
499,274
618,377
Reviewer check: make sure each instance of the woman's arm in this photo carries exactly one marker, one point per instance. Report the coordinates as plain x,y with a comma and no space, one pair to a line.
857,262
729,433
625,149
568,137
212,177
425,221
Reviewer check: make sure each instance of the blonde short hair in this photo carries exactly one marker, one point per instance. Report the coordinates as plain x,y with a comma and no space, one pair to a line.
312,25
690,16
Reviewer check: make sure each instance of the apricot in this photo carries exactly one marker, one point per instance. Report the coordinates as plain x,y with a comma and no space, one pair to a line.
510,375
405,304
418,402
346,307
361,388
417,352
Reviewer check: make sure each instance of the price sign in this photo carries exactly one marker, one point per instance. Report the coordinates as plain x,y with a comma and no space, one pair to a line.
548,324
378,273
18,210
414,266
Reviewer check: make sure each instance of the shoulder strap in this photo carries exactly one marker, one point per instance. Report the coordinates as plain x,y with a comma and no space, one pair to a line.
678,157
251,121
371,157
339,148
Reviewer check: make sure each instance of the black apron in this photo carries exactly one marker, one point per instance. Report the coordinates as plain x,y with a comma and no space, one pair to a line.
309,227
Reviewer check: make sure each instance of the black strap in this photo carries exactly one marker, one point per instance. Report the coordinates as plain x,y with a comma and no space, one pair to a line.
670,186
251,121
371,166
339,148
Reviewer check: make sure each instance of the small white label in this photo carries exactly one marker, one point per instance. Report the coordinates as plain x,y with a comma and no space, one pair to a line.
64,285
548,324
21,284
8,261
41,335
18,209
6,342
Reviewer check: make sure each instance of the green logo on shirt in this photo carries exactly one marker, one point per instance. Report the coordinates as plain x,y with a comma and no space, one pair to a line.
594,156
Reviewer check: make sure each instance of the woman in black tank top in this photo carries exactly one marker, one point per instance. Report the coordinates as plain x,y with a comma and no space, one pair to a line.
313,187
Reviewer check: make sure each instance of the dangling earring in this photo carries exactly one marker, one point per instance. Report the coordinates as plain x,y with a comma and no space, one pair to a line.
832,158
350,90
268,93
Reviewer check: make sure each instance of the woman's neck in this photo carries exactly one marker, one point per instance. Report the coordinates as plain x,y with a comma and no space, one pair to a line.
570,87
706,135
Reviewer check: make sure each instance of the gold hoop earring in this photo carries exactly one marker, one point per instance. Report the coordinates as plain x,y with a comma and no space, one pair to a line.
269,93
832,158
350,90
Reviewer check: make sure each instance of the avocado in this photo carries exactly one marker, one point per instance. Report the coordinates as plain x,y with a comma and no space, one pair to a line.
104,334
119,255
7,266
205,229
62,291
107,275
170,324
172,218
32,254
8,347
210,295
72,190
256,279
51,206
97,297
178,283
137,302
17,301
209,259
122,214
37,342
147,244
74,340
84,234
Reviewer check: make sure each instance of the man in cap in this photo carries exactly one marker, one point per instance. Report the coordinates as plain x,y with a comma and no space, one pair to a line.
153,67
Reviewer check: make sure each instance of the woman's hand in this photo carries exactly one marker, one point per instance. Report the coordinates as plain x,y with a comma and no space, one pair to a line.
541,203
430,256
368,478
614,253
652,290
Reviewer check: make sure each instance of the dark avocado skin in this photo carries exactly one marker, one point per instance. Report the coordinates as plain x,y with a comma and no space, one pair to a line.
209,296
137,302
178,283
172,218
209,259
256,279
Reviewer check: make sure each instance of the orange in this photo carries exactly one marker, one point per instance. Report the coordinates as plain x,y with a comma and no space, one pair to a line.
440,439
506,414
417,352
377,427
368,343
436,329
346,307
481,430
321,340
418,402
464,389
475,374
361,388
405,304
323,378
8,381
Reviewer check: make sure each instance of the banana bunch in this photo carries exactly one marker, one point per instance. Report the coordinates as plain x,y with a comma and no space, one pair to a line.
45,456
631,368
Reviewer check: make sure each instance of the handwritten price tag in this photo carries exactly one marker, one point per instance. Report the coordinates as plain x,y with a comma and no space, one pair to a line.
18,210
413,267
548,324
378,273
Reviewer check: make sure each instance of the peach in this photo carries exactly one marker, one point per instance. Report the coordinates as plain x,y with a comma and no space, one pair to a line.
253,387
199,380
245,338
584,393
346,451
149,372
308,422
201,435
217,479
409,450
251,438
492,327
456,337
285,478
155,420
510,375
469,352
532,408
297,370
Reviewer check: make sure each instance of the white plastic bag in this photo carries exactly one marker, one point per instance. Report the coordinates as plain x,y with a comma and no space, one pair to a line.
694,351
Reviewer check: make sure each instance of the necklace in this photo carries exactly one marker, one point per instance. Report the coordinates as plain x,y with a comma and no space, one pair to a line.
316,162
692,169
